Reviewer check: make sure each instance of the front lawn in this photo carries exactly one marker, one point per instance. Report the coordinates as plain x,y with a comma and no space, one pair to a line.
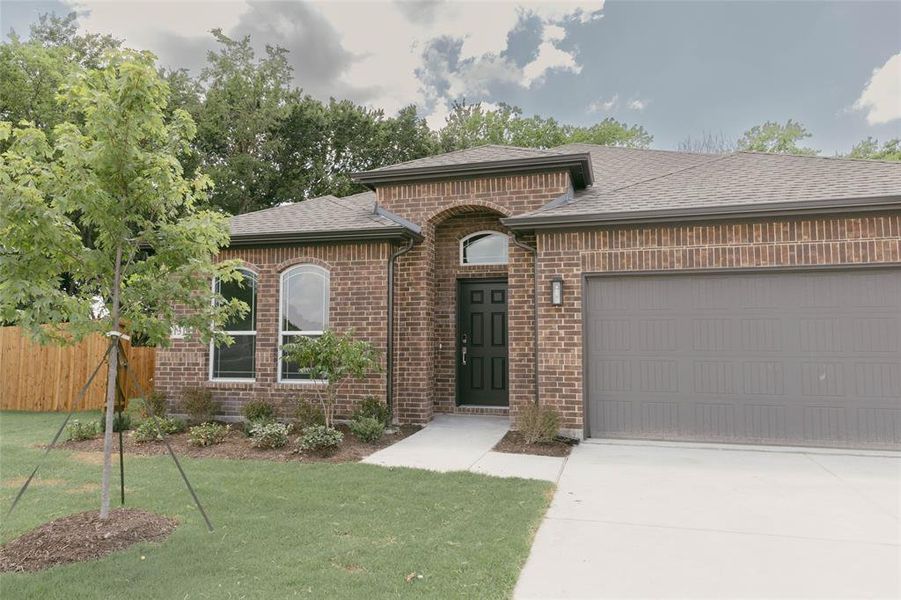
282,529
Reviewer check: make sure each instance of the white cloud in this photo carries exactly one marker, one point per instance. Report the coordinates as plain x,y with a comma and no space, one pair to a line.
376,47
604,105
638,104
881,97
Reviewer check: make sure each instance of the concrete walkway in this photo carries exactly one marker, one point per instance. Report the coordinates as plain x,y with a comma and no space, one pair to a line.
464,443
654,521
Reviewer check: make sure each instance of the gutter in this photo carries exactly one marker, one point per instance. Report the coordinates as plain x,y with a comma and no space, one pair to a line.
389,376
769,209
579,165
534,252
305,237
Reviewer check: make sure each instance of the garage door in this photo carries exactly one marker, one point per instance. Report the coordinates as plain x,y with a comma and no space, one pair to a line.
810,358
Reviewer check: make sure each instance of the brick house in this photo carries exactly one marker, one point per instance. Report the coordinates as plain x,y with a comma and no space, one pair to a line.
739,298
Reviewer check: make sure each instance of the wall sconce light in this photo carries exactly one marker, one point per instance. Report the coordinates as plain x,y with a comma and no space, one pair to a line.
557,291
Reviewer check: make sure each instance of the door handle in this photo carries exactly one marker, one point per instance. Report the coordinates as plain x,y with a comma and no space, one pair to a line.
463,347
464,356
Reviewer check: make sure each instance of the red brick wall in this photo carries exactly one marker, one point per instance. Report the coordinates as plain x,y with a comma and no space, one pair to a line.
784,242
422,381
357,299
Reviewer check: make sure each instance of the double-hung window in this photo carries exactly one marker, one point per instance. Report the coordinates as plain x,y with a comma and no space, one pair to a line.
303,311
238,361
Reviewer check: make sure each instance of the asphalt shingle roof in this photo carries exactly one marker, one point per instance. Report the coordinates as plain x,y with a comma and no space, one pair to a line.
695,182
325,213
479,154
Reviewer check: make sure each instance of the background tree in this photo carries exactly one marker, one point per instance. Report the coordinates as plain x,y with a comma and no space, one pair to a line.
870,149
707,143
470,125
322,145
31,72
244,99
117,175
776,138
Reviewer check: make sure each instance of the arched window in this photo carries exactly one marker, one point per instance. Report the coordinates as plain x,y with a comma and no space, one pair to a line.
484,248
238,361
303,310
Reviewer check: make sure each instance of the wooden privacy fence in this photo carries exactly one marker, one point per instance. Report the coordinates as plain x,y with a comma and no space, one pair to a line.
48,378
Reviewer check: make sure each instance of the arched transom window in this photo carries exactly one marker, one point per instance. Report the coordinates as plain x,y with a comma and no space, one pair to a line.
303,310
484,248
238,361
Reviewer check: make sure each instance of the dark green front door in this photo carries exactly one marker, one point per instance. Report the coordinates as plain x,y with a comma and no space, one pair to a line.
482,343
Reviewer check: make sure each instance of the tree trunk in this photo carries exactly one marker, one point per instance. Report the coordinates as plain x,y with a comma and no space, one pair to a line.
113,361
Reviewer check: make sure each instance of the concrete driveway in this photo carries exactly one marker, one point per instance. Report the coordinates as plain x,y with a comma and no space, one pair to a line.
644,520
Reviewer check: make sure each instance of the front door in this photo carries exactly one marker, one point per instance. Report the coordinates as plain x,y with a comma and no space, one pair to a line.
482,343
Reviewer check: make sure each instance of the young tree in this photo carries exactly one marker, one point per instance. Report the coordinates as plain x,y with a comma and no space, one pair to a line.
776,138
334,358
870,149
115,175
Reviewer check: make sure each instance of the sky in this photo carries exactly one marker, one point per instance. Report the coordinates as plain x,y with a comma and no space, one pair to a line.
677,68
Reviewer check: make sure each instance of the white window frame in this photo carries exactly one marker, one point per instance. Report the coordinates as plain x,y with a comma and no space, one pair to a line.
325,274
256,278
483,232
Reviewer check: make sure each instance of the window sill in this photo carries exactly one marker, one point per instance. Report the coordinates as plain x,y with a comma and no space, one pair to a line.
230,384
300,383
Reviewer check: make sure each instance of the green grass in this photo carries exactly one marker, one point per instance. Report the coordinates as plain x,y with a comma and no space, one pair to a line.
282,529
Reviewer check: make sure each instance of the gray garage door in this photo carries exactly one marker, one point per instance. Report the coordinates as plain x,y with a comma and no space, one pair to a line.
809,358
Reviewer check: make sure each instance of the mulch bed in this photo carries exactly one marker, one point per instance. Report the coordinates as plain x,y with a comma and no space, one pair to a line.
513,443
82,537
237,446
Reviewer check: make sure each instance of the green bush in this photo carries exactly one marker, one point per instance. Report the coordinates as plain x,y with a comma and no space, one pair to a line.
307,414
373,408
121,422
198,404
136,410
258,410
367,429
146,431
208,434
319,439
268,435
79,431
538,424
156,404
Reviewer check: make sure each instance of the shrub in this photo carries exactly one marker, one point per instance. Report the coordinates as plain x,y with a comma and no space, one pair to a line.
136,410
269,435
147,430
79,431
258,410
121,422
319,439
307,414
198,404
156,404
367,429
208,434
538,424
373,408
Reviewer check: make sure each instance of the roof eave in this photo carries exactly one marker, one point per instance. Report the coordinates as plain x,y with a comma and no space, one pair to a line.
576,221
310,237
578,164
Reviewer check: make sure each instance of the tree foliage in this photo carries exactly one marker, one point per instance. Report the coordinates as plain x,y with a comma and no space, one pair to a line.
336,358
470,125
777,138
870,149
117,177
